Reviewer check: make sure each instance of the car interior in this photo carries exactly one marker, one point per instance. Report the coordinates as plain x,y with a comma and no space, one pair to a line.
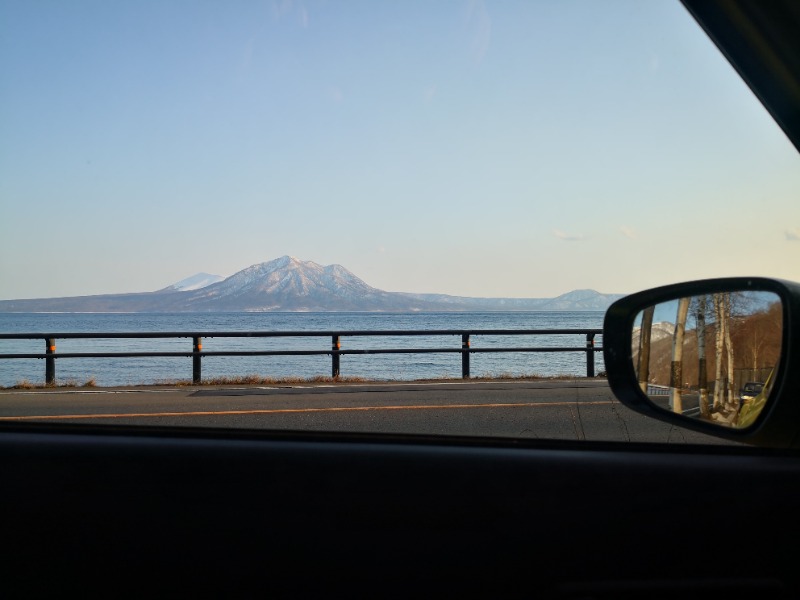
161,512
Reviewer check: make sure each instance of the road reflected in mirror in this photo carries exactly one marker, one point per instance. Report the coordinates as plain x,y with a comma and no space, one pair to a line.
711,357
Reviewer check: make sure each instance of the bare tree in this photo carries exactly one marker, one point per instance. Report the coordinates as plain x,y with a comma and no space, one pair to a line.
676,372
719,347
644,346
760,338
702,377
725,401
732,402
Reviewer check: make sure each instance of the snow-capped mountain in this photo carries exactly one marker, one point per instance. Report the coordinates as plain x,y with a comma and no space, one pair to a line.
290,276
195,282
577,300
580,300
658,331
290,284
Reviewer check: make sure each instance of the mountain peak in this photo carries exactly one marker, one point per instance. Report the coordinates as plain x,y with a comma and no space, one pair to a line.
284,262
288,283
584,299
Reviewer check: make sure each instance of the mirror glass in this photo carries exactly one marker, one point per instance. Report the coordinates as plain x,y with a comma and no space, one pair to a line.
711,357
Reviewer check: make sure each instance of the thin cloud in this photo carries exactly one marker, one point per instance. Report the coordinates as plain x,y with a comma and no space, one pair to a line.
792,235
628,232
568,237
480,29
336,94
284,8
247,57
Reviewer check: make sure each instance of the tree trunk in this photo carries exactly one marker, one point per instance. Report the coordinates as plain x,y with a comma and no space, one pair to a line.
644,346
702,377
718,348
676,372
733,403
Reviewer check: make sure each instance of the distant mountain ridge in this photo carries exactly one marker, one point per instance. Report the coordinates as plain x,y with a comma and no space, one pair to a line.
195,282
292,285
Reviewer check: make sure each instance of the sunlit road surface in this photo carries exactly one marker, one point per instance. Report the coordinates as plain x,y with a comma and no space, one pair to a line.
582,409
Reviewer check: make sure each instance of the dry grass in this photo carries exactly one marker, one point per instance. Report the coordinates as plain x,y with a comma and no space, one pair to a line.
24,384
261,380
489,377
523,377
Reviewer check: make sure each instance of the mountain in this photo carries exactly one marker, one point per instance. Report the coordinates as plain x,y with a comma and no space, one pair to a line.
576,300
658,331
289,284
581,300
195,282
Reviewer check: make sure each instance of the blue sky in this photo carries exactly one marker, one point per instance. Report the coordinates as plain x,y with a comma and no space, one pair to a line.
518,149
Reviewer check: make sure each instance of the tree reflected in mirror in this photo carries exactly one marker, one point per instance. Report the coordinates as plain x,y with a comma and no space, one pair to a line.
710,357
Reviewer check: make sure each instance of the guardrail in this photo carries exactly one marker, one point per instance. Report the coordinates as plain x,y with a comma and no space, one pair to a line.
658,390
335,351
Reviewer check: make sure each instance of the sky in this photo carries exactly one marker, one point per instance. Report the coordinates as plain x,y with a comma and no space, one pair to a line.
475,148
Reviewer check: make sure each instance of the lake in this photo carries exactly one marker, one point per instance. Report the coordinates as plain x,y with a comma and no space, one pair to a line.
405,367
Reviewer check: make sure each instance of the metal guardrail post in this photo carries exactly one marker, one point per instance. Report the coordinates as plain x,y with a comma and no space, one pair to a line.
335,347
465,356
590,355
197,367
50,362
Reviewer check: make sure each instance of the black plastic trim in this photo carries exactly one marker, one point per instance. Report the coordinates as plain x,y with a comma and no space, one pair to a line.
779,423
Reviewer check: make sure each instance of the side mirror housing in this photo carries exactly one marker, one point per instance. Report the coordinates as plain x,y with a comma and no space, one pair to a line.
717,356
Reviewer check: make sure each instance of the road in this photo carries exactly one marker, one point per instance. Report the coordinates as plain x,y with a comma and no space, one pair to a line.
583,409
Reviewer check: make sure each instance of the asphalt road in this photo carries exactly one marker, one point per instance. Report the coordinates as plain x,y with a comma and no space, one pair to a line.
582,409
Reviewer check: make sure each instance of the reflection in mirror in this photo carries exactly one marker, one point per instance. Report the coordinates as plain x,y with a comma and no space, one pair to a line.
711,357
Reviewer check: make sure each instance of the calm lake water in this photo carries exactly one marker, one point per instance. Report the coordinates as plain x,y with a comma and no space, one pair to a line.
119,371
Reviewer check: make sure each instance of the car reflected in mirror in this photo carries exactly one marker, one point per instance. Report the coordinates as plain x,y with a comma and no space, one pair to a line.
710,356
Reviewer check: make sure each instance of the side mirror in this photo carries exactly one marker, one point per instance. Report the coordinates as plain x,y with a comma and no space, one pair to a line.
713,356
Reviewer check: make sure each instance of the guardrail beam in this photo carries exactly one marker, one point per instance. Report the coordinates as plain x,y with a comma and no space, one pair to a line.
335,350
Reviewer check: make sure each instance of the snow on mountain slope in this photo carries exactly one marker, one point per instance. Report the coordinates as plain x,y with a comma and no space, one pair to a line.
195,282
288,283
